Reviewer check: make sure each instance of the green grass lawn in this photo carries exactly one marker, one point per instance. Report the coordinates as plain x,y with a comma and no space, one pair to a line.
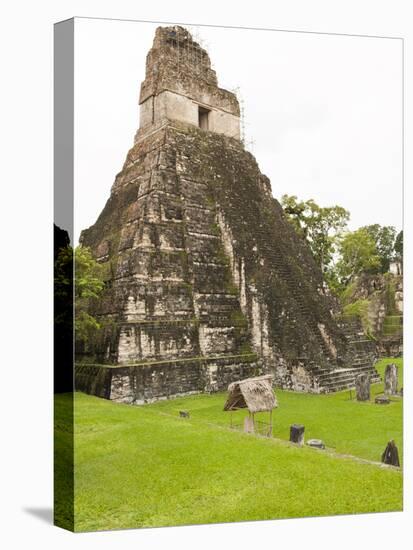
344,424
144,466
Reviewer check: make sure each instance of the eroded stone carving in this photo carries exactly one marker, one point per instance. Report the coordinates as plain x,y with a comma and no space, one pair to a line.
390,379
363,387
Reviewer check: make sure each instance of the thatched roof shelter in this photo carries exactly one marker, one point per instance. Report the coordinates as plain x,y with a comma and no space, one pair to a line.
254,394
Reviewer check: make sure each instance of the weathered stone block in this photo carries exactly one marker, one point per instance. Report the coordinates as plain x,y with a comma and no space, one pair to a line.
382,400
391,454
145,383
297,434
390,379
316,443
363,387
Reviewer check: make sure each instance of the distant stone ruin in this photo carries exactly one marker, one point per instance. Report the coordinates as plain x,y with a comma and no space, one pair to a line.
206,281
384,314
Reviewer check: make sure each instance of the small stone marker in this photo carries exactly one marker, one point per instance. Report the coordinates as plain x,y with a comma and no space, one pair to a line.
363,387
184,414
391,454
382,400
317,443
297,434
390,379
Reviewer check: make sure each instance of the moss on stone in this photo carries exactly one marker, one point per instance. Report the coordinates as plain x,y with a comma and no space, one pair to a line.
360,309
278,265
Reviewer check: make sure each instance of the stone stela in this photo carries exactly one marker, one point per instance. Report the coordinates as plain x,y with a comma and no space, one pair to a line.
390,379
363,387
390,455
297,434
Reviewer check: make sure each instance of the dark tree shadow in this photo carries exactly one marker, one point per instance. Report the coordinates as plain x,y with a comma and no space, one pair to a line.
44,514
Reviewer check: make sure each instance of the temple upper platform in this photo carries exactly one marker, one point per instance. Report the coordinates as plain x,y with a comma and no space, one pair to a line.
180,85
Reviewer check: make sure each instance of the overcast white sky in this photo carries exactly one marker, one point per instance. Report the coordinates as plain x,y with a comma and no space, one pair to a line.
324,112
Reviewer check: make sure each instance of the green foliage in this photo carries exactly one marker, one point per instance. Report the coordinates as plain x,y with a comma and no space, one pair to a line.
215,230
333,281
144,466
245,348
210,201
88,274
381,293
231,287
398,246
342,256
221,255
347,294
360,308
357,308
238,318
85,326
392,324
89,284
358,254
320,226
384,239
390,294
63,272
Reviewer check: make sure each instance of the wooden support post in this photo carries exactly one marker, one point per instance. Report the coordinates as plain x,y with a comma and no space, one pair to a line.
249,424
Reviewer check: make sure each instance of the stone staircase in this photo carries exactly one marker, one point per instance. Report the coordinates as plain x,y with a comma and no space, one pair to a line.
343,378
362,353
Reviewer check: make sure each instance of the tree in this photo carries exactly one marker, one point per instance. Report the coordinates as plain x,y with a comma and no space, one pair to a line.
88,286
384,238
398,246
320,226
358,254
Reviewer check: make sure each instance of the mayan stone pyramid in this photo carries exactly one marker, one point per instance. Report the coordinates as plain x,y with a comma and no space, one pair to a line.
206,280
